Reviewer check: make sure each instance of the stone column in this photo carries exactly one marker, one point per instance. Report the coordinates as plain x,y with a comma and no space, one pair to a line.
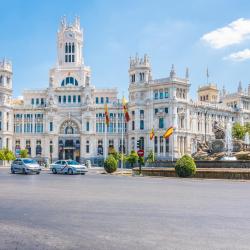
82,147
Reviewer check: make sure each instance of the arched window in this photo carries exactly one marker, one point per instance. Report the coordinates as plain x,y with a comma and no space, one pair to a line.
69,130
69,52
69,81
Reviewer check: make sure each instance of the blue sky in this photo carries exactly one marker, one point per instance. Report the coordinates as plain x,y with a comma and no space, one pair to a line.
194,34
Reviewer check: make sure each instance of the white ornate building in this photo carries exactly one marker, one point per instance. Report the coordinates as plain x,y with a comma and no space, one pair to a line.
66,120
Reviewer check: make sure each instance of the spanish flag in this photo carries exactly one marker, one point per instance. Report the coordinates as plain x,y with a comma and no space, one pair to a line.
152,134
125,110
168,132
106,113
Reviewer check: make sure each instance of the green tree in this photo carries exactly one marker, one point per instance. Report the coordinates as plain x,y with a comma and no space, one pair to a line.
132,158
23,153
238,131
247,127
2,155
7,155
110,164
10,156
151,157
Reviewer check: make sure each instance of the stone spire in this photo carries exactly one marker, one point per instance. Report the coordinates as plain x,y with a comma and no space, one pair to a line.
172,72
240,90
63,22
248,89
223,90
187,73
77,22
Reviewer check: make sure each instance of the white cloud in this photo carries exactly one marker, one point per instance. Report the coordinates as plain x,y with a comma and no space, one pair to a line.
239,56
233,33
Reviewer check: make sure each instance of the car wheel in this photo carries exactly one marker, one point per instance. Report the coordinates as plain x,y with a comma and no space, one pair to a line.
54,171
70,171
38,172
24,171
82,173
13,171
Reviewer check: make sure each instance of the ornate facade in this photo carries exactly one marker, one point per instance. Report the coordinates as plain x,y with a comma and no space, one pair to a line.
66,120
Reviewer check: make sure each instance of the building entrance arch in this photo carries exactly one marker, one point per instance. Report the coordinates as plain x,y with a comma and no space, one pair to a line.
69,141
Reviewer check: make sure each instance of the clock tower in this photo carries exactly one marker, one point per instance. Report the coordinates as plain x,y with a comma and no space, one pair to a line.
69,44
70,70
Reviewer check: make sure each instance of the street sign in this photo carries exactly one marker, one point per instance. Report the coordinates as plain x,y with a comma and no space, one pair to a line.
140,153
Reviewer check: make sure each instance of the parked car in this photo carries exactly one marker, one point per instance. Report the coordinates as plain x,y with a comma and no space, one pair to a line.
68,167
25,166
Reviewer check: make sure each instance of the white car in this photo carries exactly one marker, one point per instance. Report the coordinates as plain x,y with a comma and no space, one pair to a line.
25,166
68,167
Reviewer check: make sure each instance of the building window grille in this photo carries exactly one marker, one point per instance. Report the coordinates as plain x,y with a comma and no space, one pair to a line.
141,124
161,144
161,122
51,126
87,126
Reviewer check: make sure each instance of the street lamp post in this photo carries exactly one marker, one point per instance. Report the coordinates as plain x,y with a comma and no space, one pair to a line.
206,127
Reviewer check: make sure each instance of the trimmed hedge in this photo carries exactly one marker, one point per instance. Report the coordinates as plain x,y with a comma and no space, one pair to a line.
110,164
185,166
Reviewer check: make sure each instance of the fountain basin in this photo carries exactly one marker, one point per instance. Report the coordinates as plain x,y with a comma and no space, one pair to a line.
229,158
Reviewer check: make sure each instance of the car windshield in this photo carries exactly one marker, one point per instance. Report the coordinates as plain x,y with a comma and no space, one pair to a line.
29,161
73,163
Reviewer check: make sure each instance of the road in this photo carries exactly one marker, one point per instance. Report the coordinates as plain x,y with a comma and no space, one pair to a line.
106,212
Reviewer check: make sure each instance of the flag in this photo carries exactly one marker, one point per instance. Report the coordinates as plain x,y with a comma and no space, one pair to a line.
168,132
152,134
106,113
125,109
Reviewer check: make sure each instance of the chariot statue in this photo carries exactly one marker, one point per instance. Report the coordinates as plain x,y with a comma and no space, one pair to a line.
219,131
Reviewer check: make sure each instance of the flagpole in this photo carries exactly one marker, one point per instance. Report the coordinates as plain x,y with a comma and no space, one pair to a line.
105,141
172,121
106,130
153,142
122,137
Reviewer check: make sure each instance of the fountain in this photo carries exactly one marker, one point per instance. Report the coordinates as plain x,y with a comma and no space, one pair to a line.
228,145
247,139
223,147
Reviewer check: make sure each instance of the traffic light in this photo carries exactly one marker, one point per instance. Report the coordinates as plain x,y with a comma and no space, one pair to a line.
139,144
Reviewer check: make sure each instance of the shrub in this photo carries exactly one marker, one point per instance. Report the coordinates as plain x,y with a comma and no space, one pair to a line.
110,164
141,161
185,166
24,153
132,158
151,157
114,153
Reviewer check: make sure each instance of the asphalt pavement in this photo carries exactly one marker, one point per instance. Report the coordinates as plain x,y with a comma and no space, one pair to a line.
104,212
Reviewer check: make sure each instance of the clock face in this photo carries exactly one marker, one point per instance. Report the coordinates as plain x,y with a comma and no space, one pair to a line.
70,35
